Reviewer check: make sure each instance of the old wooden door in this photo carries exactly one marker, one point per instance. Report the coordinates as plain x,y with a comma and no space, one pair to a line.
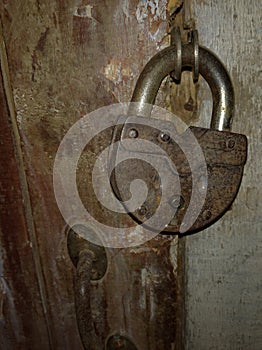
63,59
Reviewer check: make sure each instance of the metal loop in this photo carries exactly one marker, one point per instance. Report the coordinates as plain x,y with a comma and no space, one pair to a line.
194,37
210,67
176,41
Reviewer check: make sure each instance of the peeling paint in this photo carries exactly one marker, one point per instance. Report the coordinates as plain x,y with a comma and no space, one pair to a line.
154,14
122,13
156,8
112,72
20,101
84,11
154,36
117,70
125,8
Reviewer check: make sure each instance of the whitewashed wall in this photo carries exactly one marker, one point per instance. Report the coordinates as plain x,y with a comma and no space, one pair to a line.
223,263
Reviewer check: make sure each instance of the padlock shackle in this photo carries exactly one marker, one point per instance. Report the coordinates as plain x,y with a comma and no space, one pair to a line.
210,67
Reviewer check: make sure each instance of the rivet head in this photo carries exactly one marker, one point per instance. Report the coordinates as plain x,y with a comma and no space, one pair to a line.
231,144
133,133
164,137
142,210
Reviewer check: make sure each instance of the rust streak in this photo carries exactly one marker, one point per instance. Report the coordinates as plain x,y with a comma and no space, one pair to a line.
42,40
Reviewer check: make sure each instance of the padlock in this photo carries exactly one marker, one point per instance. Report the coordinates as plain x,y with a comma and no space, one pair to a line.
225,152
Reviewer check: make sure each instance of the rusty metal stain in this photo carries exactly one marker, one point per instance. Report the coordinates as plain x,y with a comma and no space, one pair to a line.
225,155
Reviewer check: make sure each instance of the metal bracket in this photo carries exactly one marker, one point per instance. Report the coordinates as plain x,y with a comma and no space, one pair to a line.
77,245
90,261
176,43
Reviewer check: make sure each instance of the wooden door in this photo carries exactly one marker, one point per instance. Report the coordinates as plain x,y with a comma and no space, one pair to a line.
63,59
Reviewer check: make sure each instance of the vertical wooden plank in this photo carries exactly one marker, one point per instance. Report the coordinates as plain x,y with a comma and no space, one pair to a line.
224,262
82,55
22,316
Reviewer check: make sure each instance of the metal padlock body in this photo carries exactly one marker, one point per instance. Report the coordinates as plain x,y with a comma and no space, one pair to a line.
225,156
225,152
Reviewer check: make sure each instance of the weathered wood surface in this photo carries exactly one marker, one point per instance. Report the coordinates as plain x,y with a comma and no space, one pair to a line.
21,312
223,269
67,58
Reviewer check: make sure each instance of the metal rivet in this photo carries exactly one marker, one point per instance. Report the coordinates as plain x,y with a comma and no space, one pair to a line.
133,133
231,143
164,137
142,210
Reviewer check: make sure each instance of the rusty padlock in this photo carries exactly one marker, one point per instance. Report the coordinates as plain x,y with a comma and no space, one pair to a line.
225,152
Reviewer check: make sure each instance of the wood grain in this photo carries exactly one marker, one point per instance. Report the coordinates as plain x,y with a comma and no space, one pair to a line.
22,309
65,60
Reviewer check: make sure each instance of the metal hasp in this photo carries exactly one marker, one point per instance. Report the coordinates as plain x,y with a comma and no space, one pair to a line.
225,152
